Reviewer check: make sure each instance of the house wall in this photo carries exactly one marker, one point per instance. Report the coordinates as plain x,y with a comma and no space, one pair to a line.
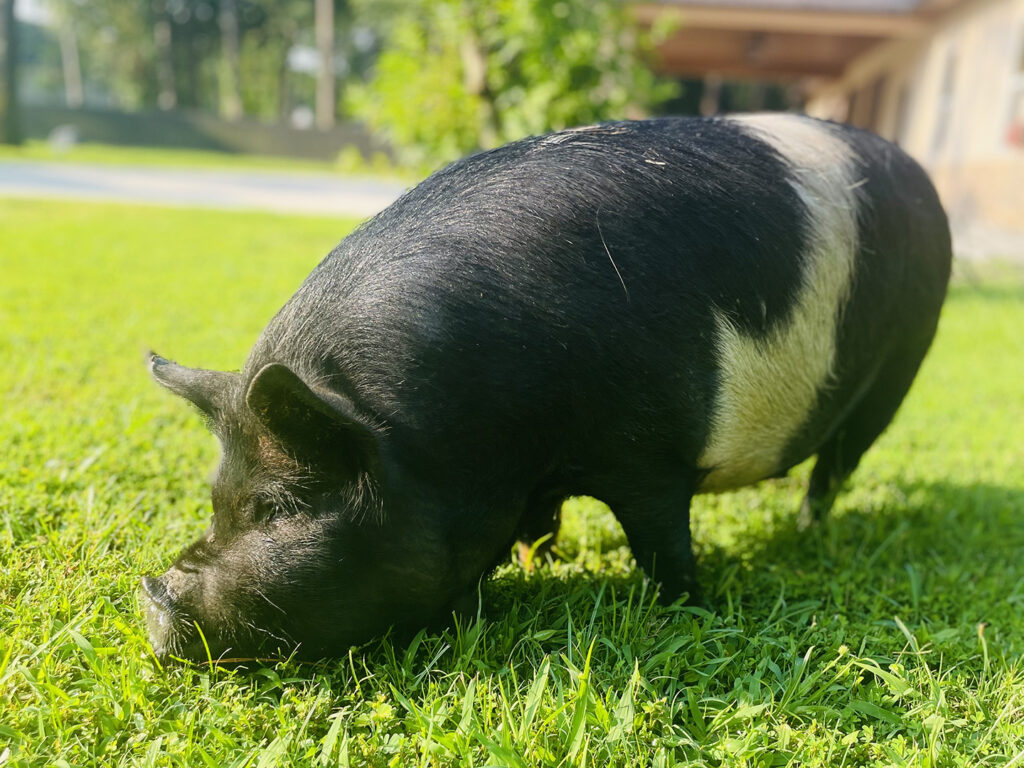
954,99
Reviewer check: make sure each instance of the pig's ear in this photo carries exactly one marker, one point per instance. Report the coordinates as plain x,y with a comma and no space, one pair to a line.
319,426
209,391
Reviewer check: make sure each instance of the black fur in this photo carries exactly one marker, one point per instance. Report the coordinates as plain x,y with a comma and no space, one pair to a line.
536,322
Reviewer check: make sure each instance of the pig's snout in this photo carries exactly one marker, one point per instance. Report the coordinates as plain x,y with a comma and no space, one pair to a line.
157,593
161,618
177,618
168,602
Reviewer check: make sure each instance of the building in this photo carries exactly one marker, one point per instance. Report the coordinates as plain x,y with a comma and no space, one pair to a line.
942,78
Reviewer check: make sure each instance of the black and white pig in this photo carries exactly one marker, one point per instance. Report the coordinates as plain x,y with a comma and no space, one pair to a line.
636,311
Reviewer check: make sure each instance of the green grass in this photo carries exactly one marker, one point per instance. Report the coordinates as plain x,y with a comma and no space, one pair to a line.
108,154
169,157
892,636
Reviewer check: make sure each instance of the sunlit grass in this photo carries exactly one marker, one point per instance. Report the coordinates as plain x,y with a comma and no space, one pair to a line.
892,636
159,156
348,162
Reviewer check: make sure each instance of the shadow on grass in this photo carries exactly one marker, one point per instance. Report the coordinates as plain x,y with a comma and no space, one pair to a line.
929,551
934,526
938,553
932,552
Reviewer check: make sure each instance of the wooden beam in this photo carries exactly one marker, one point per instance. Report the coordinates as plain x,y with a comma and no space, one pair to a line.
783,71
935,7
757,55
878,25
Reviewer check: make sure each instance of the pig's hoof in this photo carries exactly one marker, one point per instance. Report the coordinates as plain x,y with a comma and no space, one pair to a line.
687,594
812,513
467,606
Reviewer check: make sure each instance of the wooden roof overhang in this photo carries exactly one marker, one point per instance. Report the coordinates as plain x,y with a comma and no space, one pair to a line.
768,43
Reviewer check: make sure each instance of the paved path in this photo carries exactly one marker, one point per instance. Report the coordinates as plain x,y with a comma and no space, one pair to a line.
300,192
203,188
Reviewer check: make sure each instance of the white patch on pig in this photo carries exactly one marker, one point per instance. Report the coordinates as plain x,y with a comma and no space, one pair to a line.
770,385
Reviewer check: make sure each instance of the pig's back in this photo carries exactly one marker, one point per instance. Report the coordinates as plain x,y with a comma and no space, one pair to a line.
710,290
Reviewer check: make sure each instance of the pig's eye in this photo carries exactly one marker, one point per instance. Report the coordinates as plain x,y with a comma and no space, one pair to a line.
264,510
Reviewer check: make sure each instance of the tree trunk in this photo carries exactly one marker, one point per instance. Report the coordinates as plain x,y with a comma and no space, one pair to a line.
474,78
230,77
10,117
167,89
325,95
71,66
710,100
284,95
191,99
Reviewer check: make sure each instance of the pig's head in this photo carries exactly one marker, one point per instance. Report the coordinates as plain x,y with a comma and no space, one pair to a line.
306,551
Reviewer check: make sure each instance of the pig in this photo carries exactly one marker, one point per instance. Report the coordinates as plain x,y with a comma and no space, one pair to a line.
636,311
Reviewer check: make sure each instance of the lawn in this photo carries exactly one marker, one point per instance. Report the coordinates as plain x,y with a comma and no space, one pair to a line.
174,157
892,636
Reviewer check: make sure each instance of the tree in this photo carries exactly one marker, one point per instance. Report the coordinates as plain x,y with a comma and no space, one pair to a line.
230,70
167,88
71,66
268,85
457,75
326,103
10,123
118,44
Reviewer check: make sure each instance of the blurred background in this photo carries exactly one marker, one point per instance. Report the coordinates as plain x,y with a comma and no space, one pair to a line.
380,92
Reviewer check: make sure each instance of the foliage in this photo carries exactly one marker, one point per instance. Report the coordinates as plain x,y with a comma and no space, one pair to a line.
449,76
456,76
116,44
10,60
891,637
269,89
120,56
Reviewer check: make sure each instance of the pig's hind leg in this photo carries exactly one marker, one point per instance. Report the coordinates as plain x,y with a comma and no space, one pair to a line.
841,452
